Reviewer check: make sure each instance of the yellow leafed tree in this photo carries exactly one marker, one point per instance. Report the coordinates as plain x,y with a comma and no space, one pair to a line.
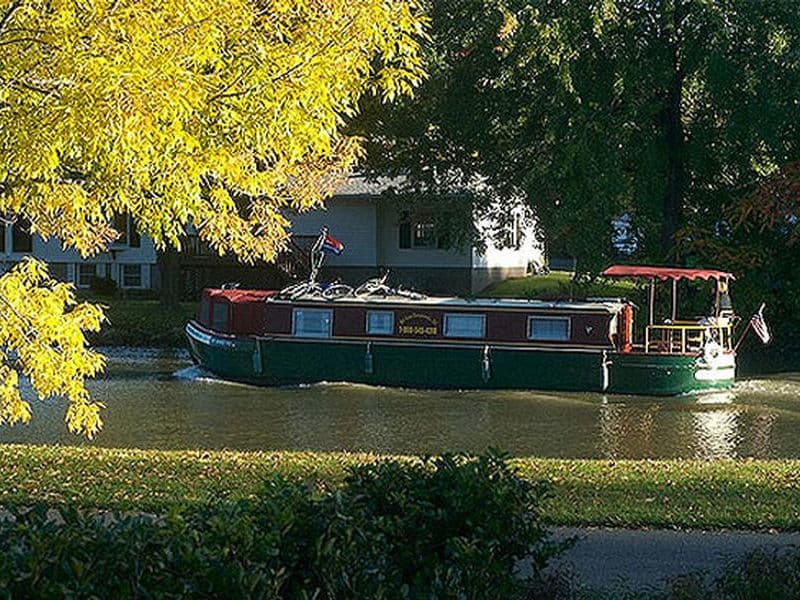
219,114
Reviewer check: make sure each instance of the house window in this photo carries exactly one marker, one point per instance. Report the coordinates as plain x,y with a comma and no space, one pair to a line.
21,238
380,322
86,272
128,234
424,235
219,316
514,232
418,233
131,276
312,322
58,271
464,326
549,329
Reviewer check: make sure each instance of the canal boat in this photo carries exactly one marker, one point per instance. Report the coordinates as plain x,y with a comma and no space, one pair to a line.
377,335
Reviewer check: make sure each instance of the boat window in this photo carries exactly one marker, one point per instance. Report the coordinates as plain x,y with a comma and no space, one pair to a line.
380,322
464,326
312,322
219,316
549,329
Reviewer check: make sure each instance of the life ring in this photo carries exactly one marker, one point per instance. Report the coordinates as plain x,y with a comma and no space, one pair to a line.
712,352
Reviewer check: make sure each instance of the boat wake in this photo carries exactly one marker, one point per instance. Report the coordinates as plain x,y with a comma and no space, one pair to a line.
787,386
135,354
197,373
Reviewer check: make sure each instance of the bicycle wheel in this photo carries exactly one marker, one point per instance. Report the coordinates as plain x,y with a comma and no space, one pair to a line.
410,294
289,290
300,290
337,290
365,289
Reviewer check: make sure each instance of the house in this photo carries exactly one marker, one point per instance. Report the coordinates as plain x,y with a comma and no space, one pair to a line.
377,235
129,262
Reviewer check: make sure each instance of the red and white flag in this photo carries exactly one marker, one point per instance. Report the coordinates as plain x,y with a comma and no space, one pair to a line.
759,325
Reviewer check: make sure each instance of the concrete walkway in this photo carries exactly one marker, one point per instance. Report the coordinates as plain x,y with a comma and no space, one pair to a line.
604,557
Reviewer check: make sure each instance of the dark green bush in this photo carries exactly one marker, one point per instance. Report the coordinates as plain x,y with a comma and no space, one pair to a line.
449,527
103,286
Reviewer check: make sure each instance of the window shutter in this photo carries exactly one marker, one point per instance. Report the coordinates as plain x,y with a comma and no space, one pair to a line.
22,240
405,234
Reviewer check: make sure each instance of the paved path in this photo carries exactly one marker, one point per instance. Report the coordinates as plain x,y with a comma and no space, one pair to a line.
604,557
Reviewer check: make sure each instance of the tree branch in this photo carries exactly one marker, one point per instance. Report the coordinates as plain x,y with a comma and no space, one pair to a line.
27,39
325,48
9,13
31,88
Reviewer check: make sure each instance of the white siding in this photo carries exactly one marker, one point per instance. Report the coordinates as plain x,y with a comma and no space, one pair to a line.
498,257
107,263
351,221
499,261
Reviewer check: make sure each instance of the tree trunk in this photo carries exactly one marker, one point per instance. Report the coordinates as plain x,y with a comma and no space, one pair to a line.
169,271
674,137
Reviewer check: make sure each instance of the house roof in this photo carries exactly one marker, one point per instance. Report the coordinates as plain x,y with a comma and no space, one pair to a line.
359,185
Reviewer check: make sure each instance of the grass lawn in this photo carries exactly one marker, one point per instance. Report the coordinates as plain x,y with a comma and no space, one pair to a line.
559,285
659,493
135,322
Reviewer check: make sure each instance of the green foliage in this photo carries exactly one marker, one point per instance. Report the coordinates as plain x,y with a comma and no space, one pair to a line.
451,527
762,575
571,105
444,527
143,322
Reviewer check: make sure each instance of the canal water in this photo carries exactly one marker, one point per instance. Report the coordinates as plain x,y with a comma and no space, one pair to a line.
157,399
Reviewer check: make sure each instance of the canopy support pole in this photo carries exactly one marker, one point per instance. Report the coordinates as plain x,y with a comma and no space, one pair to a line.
674,299
652,302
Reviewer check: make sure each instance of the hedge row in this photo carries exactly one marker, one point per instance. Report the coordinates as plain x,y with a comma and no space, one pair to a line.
449,527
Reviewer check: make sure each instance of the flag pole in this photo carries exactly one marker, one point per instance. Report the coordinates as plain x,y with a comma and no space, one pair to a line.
744,335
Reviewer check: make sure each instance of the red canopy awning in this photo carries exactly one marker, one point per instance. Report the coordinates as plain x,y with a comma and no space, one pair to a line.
664,273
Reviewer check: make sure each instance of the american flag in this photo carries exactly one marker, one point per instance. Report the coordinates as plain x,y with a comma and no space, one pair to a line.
331,245
759,325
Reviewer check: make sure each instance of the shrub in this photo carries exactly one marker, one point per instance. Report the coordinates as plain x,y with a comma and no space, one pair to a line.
763,574
449,527
103,286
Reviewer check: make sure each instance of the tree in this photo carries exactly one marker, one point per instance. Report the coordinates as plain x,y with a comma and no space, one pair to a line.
665,110
214,113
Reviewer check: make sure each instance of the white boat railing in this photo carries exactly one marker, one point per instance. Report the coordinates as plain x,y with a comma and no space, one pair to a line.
686,338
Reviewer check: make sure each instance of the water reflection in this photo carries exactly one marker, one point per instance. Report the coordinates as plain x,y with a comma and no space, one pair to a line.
155,401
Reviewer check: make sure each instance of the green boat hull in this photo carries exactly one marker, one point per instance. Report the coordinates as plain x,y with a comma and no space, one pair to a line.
288,361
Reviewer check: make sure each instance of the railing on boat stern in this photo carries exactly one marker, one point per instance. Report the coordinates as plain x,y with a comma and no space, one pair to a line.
686,338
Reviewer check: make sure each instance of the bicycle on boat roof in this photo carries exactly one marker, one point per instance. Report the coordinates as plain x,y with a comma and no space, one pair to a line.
376,286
